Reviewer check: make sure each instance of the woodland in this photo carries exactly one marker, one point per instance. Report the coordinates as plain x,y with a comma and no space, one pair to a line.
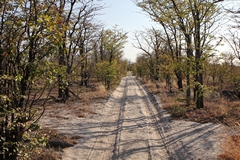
48,48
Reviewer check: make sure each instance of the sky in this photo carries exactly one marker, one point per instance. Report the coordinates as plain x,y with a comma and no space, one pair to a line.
128,17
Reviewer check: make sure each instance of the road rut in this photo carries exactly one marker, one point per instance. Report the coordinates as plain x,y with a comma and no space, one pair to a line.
132,125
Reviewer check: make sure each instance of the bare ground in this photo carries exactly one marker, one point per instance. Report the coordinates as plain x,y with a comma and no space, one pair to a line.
133,125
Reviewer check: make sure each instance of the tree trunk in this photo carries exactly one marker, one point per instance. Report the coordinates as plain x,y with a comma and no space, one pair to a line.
61,62
200,98
83,66
82,73
188,92
179,80
198,56
189,67
86,75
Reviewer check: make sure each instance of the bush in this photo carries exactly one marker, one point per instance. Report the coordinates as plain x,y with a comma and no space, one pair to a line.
178,111
107,73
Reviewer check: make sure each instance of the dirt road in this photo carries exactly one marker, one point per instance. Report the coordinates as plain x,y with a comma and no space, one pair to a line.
133,126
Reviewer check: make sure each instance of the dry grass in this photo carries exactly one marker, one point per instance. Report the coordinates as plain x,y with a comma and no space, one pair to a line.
78,105
153,87
216,110
231,148
93,93
90,95
54,146
231,145
82,112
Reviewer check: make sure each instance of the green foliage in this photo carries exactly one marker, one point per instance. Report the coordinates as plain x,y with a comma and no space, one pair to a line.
192,20
29,36
123,66
178,111
31,142
224,73
166,68
111,67
39,43
141,68
107,73
113,41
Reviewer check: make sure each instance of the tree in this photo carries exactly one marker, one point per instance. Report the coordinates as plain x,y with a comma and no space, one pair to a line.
174,42
167,69
233,41
78,30
152,43
195,19
26,28
141,68
233,38
204,16
111,44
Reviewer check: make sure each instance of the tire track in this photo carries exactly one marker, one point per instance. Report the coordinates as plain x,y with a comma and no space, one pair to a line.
135,136
154,115
120,122
113,103
133,126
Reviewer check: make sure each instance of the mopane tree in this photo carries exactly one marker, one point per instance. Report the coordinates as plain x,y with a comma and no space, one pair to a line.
77,17
155,46
174,42
151,43
195,20
205,15
167,14
28,36
86,36
113,41
111,48
140,68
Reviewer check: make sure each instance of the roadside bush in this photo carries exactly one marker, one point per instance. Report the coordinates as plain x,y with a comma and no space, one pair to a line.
177,111
107,73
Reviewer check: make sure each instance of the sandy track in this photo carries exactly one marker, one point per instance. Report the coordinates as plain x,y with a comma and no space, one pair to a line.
132,125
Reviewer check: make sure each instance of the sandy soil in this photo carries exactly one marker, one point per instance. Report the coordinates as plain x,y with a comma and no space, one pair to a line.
132,125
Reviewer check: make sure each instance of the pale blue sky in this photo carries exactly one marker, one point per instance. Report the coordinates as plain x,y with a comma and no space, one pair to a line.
127,16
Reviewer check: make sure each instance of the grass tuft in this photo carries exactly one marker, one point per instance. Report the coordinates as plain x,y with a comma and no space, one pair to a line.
55,143
178,111
231,147
216,110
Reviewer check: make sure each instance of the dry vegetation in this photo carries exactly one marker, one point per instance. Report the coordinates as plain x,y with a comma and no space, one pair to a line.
231,148
217,110
55,142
